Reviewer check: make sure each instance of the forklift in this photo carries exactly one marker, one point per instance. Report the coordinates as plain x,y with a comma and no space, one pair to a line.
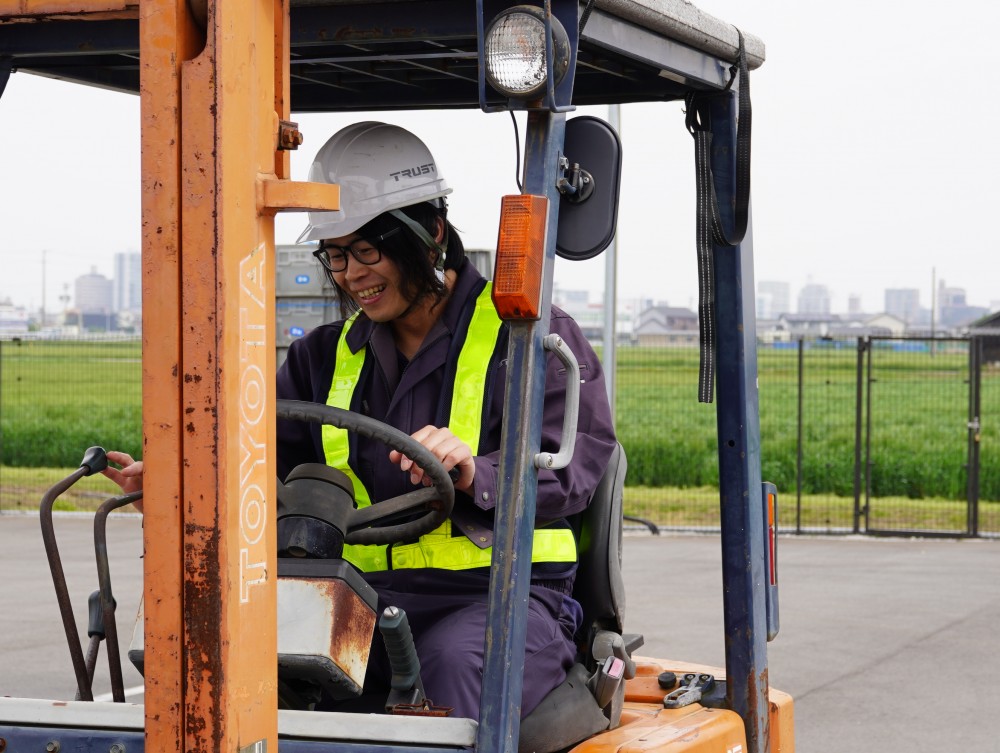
218,82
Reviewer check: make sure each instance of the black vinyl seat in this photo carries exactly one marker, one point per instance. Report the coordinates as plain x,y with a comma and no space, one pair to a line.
599,585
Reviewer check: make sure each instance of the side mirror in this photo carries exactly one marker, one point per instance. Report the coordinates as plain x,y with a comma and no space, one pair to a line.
588,213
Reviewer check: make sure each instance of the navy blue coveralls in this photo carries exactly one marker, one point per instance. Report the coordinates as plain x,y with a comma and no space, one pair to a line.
446,608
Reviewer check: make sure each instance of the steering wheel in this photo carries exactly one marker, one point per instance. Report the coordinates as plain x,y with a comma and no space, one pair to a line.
436,500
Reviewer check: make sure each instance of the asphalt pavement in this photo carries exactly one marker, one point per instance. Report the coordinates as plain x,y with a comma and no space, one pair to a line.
885,644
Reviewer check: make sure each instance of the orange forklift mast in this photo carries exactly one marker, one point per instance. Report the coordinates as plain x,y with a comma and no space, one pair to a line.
217,82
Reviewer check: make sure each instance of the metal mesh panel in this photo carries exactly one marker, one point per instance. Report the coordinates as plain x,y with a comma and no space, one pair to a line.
825,417
917,430
58,397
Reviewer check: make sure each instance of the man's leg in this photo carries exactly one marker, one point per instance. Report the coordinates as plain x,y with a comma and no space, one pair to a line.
451,654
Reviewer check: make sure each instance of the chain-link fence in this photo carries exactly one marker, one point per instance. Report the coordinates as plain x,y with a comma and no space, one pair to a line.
58,397
873,435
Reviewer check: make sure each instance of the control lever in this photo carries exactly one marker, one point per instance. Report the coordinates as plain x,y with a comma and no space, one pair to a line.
407,687
94,461
407,693
95,631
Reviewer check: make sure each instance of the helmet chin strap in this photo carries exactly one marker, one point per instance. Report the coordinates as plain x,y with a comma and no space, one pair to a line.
421,232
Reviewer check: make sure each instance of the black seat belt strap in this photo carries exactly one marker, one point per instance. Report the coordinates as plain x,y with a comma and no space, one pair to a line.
709,227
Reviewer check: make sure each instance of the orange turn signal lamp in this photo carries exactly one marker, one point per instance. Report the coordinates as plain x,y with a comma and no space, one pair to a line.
772,538
517,278
770,494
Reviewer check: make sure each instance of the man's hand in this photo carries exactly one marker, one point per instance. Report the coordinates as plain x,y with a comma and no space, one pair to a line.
129,478
449,449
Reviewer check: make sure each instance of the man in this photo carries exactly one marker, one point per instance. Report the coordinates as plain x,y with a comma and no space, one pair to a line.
425,352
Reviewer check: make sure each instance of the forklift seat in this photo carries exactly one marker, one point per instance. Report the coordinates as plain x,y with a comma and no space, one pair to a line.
572,712
599,585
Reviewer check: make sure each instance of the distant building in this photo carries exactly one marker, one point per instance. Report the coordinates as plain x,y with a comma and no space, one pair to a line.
948,297
482,260
814,299
589,316
853,304
886,325
903,303
773,299
807,325
13,319
791,327
988,328
127,282
666,325
126,298
93,295
953,311
571,300
922,321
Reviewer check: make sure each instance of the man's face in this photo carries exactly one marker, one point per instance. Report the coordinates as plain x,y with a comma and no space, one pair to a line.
371,279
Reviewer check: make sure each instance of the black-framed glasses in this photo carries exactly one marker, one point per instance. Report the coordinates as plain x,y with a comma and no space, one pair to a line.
334,258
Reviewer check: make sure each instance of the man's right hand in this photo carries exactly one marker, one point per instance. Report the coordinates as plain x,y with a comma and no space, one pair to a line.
129,477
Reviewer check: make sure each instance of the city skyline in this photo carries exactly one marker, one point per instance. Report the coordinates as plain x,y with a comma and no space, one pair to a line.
101,303
121,300
92,295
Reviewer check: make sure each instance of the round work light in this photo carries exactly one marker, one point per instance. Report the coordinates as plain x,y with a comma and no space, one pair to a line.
515,52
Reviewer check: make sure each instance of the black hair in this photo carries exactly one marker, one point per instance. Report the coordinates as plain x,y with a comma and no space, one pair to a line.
415,261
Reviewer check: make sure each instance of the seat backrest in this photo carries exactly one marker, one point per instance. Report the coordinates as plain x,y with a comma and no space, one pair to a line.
570,713
600,586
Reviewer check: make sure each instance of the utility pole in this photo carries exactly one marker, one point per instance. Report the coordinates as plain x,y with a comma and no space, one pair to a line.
609,354
44,252
933,308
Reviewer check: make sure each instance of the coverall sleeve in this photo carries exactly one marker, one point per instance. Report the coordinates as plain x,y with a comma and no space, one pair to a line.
308,363
567,491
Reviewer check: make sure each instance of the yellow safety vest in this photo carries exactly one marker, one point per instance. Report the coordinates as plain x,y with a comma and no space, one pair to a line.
439,548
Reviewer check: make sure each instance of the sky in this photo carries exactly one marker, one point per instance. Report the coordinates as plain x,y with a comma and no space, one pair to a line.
875,159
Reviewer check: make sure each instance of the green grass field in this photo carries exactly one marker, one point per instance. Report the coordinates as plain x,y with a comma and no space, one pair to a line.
57,398
23,488
918,428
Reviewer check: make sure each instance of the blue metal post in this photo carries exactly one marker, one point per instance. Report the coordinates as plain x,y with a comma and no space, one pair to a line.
6,66
743,537
500,707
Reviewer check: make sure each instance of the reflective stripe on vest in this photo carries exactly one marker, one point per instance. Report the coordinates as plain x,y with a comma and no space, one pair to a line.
439,548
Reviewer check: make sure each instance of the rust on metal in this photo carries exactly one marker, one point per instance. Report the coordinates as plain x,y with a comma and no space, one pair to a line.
69,9
421,709
353,624
203,616
289,135
757,689
210,95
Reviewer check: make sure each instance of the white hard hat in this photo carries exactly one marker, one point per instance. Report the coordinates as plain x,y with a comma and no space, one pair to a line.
379,167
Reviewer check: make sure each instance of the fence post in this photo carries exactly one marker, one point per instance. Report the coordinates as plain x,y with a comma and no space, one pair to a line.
858,416
798,443
972,476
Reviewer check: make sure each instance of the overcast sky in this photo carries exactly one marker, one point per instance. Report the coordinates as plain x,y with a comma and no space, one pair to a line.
875,164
